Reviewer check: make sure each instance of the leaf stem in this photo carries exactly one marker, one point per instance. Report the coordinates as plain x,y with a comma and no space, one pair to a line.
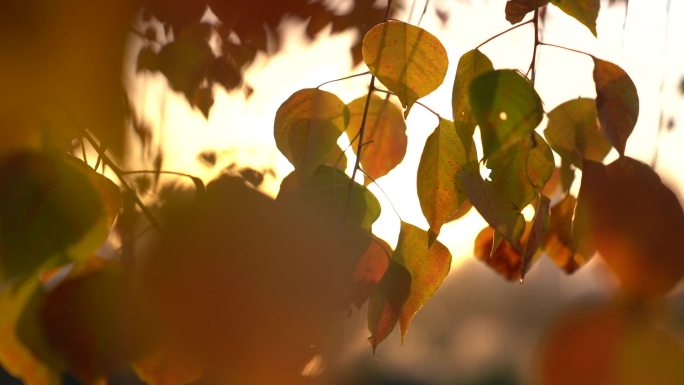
503,33
120,174
541,43
533,64
343,78
417,102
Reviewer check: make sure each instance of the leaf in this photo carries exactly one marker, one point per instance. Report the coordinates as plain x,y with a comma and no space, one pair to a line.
559,243
519,171
184,62
384,134
540,225
502,258
567,174
329,188
573,132
428,267
336,158
471,65
440,191
585,11
15,357
370,269
506,107
387,301
203,98
307,126
494,208
407,59
617,103
40,215
636,222
167,366
517,9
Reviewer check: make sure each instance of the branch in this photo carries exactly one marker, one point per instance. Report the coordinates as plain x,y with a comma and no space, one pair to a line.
504,32
343,78
541,43
532,70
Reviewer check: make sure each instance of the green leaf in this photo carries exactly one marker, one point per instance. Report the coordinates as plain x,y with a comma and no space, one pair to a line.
427,265
494,208
440,191
585,11
506,107
540,225
519,171
384,134
307,126
407,59
329,188
517,9
387,301
573,132
617,103
50,206
471,65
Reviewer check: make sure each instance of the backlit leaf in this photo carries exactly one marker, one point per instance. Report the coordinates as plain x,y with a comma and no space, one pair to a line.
384,134
519,171
617,103
427,265
540,225
387,301
329,187
307,126
336,158
573,132
494,208
407,59
370,270
48,205
471,65
439,189
15,357
585,11
503,258
506,107
558,243
517,9
167,366
636,223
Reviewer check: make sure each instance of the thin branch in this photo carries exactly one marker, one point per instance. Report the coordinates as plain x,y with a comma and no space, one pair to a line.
533,64
83,150
343,78
503,33
362,129
158,172
384,194
417,102
120,174
541,43
424,12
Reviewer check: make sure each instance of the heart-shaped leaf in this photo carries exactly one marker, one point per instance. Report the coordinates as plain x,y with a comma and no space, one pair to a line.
573,132
387,301
506,107
307,126
585,11
440,191
617,103
384,135
407,59
471,65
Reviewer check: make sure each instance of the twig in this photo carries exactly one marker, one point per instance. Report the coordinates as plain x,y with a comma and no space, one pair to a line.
504,32
383,193
424,12
541,43
120,174
343,78
533,64
417,102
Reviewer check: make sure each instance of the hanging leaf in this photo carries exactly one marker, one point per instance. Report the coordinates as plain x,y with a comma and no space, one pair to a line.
540,225
329,188
517,9
407,59
519,171
440,191
558,243
573,132
567,173
635,222
502,257
167,366
506,107
471,65
387,301
384,134
307,126
370,270
585,11
494,208
39,215
617,103
428,267
15,357
336,158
